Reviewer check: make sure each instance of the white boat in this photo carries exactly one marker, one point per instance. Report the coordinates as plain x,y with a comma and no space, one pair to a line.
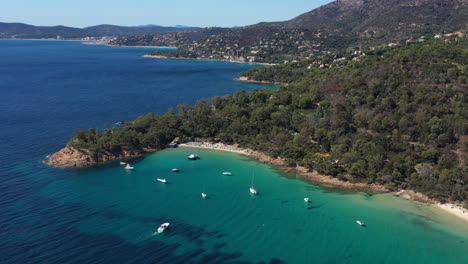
360,223
193,157
163,227
227,173
123,163
175,170
307,200
204,195
252,190
128,167
162,180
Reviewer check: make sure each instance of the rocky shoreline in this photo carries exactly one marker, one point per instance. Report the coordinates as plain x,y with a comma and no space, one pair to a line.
247,80
69,157
203,59
73,158
329,182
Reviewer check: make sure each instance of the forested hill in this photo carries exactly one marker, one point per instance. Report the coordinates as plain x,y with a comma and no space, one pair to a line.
22,31
396,117
337,26
169,39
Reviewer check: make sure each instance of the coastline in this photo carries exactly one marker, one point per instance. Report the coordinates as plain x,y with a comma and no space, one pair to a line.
73,158
451,208
150,47
216,146
330,182
200,59
46,39
247,80
454,209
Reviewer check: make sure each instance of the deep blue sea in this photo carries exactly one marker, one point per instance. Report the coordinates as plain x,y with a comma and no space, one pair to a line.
106,215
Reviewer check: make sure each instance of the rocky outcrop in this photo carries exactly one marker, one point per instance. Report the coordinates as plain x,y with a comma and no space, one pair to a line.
248,80
69,157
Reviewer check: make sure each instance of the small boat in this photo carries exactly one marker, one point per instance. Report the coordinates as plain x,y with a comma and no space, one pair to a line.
307,200
253,191
360,223
227,173
162,180
128,167
203,195
123,163
163,227
175,170
193,157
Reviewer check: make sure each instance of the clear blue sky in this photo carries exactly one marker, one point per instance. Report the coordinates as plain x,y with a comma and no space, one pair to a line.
82,13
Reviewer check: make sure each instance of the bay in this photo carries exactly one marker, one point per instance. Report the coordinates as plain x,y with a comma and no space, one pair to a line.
106,214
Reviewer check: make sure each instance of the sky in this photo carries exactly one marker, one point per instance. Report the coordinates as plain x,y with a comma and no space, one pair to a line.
202,13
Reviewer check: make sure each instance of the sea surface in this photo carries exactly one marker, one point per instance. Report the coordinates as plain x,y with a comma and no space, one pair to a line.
106,214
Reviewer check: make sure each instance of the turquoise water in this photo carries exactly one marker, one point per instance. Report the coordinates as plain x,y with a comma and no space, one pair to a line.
276,225
105,214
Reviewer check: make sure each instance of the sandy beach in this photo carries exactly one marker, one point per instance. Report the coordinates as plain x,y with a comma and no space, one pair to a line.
216,146
454,209
330,182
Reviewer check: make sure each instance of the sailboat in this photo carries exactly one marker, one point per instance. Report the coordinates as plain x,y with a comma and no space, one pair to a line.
129,167
203,194
252,189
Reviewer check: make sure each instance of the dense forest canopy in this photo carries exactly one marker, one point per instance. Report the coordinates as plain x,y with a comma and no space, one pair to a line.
392,116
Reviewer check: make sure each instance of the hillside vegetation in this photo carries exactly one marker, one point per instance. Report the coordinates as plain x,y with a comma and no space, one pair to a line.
335,27
394,116
168,39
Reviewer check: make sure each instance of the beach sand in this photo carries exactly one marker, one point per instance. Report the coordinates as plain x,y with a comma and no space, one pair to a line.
454,209
216,146
330,182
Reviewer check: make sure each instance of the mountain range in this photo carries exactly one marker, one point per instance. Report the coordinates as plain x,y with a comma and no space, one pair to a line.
20,30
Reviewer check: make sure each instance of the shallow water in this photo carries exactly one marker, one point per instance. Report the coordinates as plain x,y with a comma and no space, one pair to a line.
106,214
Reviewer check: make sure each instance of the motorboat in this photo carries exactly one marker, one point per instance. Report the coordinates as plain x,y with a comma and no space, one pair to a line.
163,227
360,223
162,180
307,200
253,191
193,157
227,173
129,167
123,163
175,170
204,195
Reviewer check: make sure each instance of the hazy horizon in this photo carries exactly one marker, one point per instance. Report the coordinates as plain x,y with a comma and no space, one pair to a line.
204,13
